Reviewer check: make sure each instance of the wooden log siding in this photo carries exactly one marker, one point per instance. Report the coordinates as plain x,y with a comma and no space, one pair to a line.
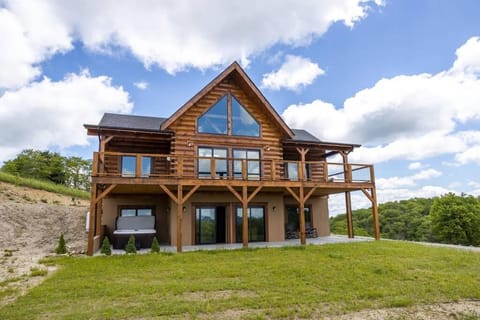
187,140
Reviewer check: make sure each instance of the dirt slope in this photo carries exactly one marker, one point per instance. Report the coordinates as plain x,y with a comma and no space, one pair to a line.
31,222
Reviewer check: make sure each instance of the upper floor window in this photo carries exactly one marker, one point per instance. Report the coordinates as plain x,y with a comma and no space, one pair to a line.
228,116
129,166
205,164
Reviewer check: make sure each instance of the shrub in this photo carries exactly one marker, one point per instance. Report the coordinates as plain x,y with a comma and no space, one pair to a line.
155,246
106,250
61,248
130,248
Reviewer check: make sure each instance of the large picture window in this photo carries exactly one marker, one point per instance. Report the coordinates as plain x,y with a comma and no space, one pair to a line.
215,120
229,117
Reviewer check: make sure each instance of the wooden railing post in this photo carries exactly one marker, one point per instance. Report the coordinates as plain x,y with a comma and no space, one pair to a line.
244,169
213,169
325,171
138,166
179,166
95,164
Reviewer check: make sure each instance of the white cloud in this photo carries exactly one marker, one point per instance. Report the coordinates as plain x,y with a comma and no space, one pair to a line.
295,72
142,85
395,182
172,35
31,32
416,166
405,117
48,113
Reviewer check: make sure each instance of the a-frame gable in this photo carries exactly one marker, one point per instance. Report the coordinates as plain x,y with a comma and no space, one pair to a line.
239,74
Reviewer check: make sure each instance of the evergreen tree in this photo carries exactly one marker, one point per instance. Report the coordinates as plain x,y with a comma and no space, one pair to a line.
61,247
130,248
155,246
106,250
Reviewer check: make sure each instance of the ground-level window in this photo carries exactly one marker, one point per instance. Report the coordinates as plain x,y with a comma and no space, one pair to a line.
204,164
135,212
210,225
256,223
292,218
129,166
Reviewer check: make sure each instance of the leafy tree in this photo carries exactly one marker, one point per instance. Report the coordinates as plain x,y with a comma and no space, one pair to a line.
78,172
61,247
456,219
45,165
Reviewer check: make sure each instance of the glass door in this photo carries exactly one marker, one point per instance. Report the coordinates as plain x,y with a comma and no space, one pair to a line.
210,225
256,224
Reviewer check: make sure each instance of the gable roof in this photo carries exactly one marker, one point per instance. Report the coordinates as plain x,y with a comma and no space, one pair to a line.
131,122
233,69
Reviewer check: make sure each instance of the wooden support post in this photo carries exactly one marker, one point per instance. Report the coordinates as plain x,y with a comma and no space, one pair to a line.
376,225
179,217
244,169
301,207
346,167
91,226
348,207
98,214
244,216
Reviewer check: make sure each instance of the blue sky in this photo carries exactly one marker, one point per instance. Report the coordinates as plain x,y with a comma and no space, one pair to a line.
400,77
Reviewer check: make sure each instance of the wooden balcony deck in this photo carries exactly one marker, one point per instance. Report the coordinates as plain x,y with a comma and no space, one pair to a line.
162,169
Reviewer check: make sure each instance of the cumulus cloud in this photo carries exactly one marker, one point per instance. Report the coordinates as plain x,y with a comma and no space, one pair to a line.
395,182
142,85
167,34
295,72
31,32
48,113
416,166
405,117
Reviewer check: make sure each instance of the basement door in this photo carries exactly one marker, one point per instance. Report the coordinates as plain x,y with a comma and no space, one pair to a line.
210,225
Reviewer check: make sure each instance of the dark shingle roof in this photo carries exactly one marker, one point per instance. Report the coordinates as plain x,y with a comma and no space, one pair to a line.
304,135
124,121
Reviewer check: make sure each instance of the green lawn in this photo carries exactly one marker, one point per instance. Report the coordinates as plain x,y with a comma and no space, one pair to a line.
286,282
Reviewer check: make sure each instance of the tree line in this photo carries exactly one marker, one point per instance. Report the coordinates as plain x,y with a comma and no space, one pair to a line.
451,218
72,171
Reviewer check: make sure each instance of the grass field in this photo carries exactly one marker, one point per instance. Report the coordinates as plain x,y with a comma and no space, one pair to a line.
43,185
253,284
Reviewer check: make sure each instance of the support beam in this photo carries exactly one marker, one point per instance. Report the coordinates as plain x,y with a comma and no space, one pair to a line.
169,193
179,217
91,226
254,193
244,217
376,224
105,193
301,206
348,207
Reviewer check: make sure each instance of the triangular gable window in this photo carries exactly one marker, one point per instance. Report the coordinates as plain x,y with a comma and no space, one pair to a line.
243,124
216,119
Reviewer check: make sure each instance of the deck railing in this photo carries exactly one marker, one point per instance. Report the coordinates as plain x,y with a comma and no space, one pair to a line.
134,165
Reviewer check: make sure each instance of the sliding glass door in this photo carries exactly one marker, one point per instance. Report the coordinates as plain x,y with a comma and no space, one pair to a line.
210,225
256,224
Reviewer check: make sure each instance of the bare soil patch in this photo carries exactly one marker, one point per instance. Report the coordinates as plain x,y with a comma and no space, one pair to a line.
31,222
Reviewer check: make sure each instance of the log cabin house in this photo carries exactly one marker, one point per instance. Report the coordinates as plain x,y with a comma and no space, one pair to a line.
224,168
